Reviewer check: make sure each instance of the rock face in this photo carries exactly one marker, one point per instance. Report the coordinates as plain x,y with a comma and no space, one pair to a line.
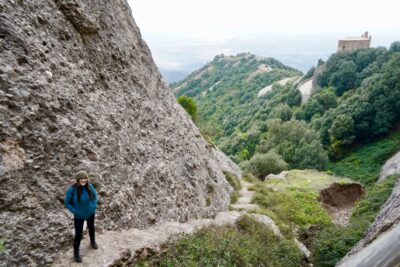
379,247
79,90
392,166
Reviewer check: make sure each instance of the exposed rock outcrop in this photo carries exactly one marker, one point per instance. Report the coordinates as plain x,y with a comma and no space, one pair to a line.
79,90
379,247
392,166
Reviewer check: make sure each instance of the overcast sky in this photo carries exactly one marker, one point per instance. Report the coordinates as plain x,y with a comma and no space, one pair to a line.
226,18
185,34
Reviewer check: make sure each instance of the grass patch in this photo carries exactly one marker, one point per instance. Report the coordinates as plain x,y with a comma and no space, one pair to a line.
364,164
3,249
234,197
208,201
235,183
292,207
305,181
248,243
332,243
233,180
250,178
210,188
292,202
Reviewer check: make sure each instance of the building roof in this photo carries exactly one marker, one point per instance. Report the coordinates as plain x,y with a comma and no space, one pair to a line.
354,39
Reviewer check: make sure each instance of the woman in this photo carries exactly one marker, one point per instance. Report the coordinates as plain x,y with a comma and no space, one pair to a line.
81,200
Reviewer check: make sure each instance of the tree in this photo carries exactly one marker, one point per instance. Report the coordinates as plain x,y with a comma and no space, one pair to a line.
341,133
342,129
345,77
282,111
395,47
298,145
318,104
189,105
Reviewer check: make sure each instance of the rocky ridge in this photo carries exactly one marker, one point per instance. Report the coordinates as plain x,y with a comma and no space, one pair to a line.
79,90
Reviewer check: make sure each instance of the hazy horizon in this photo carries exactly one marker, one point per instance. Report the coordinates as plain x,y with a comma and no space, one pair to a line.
184,35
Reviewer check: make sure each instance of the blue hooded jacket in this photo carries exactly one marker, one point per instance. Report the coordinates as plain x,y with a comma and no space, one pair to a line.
86,207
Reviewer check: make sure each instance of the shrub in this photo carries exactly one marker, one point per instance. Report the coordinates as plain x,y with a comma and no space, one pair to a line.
233,180
234,197
261,165
3,249
189,105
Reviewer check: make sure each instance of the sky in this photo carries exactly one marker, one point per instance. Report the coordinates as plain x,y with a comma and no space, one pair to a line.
213,22
226,18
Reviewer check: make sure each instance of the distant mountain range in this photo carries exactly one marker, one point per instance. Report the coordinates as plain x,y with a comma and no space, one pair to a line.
171,76
177,53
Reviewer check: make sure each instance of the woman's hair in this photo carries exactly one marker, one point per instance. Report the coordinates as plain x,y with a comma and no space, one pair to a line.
79,190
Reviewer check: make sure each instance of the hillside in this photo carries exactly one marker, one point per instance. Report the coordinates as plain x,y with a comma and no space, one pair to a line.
241,98
226,91
352,116
80,91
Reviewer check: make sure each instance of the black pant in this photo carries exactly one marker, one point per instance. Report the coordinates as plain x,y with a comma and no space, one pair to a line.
78,223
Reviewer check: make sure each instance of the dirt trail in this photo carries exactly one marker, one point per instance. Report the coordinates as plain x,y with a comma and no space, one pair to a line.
114,246
124,246
269,87
305,88
244,201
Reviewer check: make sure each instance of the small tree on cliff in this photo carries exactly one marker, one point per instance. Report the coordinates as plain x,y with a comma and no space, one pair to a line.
189,105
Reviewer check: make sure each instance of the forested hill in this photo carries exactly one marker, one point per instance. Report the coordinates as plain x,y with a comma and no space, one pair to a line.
225,91
231,72
356,101
365,85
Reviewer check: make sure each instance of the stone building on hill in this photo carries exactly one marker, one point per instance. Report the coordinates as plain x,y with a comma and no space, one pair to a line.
350,44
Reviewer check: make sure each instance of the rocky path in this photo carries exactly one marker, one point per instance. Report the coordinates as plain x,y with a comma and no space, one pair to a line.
123,247
305,88
269,87
244,201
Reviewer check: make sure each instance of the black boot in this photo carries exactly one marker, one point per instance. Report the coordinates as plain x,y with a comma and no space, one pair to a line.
76,251
77,256
92,233
94,245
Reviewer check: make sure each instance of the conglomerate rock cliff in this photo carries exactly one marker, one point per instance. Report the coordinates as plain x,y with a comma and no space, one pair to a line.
379,246
79,90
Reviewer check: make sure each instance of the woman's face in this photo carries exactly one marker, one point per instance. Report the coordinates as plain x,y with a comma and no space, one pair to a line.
83,182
